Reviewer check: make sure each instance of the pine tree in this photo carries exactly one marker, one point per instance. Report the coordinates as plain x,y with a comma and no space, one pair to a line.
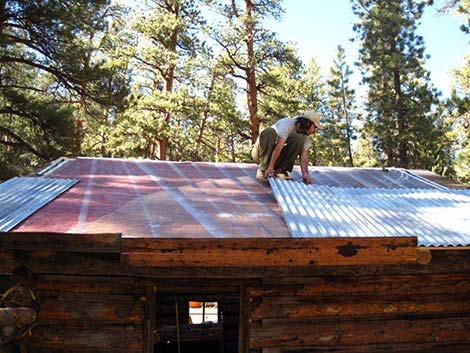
42,73
400,102
339,132
249,49
283,86
166,46
458,106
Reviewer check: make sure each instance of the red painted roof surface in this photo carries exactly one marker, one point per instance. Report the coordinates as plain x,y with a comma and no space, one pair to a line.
161,199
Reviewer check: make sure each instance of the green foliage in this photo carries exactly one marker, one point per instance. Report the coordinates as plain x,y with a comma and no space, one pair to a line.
339,130
461,104
460,8
401,119
46,67
458,114
290,88
161,81
46,124
163,64
250,51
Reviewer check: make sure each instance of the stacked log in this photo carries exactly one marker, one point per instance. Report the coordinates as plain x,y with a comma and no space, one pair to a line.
382,313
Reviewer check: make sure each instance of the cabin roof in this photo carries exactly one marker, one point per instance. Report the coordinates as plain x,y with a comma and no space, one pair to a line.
156,199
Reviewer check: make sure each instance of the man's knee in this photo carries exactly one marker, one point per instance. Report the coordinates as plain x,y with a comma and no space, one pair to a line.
268,136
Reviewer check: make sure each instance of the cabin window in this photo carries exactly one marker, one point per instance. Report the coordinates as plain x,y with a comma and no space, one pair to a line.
200,312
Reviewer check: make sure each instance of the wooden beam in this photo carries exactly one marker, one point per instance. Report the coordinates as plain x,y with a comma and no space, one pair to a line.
90,308
350,333
242,318
319,309
416,347
445,248
150,312
86,338
45,262
63,242
268,252
378,285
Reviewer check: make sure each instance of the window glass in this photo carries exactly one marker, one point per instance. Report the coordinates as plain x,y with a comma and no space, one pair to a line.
200,312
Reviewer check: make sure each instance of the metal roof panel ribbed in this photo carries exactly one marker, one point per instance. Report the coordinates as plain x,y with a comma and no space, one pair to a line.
21,197
437,217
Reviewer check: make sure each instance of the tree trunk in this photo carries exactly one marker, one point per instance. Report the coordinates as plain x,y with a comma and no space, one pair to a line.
346,117
401,124
3,18
401,121
167,116
205,115
251,89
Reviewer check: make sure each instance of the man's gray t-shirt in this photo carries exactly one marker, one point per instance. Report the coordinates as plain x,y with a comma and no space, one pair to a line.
285,128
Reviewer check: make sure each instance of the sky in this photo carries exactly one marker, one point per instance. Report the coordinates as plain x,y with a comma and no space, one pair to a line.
319,26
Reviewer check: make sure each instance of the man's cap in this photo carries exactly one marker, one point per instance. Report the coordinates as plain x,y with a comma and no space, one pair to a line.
314,117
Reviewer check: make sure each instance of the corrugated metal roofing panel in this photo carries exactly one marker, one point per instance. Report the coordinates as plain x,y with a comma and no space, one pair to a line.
21,197
436,217
163,199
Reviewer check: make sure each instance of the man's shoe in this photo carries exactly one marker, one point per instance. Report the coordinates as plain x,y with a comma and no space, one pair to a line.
283,175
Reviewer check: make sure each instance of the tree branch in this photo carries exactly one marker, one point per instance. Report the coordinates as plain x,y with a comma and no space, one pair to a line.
20,144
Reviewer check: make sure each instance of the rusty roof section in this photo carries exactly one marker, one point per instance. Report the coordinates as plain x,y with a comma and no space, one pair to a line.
161,200
444,181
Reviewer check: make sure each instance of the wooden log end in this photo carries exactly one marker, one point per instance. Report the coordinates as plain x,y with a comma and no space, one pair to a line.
424,256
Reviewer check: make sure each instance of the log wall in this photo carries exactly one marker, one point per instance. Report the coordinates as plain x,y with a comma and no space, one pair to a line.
90,301
86,313
379,313
84,307
93,301
106,313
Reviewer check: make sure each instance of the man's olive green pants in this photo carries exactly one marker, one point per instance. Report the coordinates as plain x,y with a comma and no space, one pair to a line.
265,144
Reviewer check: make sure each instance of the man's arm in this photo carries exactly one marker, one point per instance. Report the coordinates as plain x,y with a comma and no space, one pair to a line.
304,167
274,156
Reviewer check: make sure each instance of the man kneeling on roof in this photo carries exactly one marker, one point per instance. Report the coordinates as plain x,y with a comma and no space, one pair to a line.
278,146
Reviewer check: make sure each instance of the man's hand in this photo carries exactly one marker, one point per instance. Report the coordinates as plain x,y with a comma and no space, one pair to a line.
269,172
307,179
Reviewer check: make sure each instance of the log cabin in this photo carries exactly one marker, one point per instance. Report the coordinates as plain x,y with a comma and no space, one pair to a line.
145,256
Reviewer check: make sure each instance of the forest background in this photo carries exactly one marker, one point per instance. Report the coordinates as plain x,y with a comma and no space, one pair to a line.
197,80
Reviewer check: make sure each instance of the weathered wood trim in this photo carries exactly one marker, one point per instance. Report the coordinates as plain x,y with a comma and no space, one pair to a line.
268,252
94,264
63,242
149,323
92,284
89,308
45,262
